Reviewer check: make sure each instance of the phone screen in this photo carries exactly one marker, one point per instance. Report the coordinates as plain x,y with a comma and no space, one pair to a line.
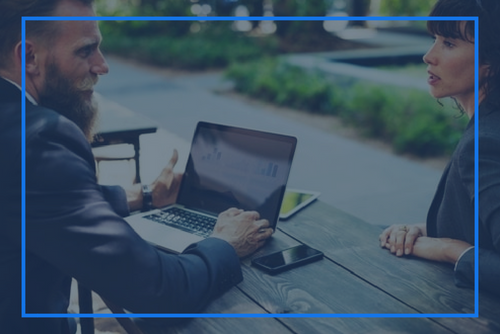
288,258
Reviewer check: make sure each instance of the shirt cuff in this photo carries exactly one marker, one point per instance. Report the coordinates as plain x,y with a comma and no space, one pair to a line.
465,269
460,257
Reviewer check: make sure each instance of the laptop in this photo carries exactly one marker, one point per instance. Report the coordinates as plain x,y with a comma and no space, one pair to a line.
227,167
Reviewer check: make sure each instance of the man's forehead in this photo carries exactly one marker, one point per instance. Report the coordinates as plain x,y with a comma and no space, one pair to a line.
78,33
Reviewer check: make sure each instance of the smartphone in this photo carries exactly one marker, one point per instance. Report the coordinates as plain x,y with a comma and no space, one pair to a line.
287,259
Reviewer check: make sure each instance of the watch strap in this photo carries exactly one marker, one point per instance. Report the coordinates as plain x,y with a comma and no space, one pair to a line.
147,198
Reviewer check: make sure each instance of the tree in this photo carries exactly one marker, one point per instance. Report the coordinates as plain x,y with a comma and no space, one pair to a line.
299,8
406,7
359,8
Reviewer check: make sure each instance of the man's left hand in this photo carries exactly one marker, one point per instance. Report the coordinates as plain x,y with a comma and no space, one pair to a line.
166,187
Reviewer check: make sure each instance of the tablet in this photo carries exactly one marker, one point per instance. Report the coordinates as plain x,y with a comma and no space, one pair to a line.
295,200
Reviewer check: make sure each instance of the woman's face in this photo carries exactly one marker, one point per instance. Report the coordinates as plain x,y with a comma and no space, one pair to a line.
451,69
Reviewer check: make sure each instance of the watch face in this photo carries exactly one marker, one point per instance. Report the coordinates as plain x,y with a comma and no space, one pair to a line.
147,198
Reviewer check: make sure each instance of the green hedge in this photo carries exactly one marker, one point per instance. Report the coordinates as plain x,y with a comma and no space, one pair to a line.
214,47
412,121
284,85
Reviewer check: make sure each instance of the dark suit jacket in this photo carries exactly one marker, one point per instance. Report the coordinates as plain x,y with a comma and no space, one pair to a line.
74,229
451,214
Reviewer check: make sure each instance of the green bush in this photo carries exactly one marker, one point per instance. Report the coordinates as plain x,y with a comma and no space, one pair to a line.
284,85
299,8
146,8
410,120
406,7
207,49
364,108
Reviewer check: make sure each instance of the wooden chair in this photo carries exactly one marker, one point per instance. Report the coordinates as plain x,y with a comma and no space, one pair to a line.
86,307
120,152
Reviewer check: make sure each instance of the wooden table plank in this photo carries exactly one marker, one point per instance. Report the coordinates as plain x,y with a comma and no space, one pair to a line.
324,287
234,301
364,326
319,287
352,243
423,285
303,326
356,276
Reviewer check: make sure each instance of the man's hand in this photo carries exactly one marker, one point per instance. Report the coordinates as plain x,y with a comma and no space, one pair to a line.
439,249
399,239
243,230
166,186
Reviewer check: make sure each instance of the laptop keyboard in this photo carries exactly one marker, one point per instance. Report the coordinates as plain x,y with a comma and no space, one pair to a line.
185,220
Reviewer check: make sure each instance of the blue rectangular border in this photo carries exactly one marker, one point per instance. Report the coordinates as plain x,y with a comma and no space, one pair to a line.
246,315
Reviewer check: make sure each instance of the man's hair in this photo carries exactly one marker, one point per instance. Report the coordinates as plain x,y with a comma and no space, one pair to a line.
11,12
488,13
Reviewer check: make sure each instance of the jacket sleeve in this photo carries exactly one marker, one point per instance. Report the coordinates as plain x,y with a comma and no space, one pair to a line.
117,198
72,225
489,219
489,270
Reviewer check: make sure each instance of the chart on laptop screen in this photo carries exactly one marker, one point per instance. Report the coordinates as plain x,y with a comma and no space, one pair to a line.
234,169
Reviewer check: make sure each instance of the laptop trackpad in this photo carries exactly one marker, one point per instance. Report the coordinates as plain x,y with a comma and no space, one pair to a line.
163,236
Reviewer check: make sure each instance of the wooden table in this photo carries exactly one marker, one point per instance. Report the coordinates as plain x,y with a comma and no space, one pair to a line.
356,276
118,125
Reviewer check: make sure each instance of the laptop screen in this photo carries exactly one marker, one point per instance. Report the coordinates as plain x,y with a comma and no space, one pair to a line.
235,167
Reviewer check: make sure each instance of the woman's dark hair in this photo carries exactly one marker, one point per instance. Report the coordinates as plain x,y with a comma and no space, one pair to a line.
488,13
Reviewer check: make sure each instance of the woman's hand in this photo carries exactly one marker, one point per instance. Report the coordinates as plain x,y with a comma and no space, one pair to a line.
410,239
440,249
400,239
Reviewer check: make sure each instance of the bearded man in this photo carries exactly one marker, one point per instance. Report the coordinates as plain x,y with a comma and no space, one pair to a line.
74,227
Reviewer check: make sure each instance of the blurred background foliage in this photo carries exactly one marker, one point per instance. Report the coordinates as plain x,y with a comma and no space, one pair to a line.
144,8
406,7
410,120
250,52
213,48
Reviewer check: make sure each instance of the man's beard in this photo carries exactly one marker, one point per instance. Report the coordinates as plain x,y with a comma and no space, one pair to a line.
61,94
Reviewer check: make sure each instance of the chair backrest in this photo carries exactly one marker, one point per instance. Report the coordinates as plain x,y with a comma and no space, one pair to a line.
87,324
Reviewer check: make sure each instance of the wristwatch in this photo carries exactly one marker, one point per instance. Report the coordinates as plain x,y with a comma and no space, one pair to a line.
147,198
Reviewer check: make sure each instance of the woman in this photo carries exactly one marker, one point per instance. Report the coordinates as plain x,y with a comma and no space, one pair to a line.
448,235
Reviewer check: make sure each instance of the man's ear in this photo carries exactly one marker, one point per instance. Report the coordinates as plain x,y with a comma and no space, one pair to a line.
32,57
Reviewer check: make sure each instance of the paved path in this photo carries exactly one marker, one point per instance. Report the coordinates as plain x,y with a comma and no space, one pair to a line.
375,185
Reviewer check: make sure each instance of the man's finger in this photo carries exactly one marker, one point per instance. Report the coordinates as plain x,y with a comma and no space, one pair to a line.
262,223
173,159
264,233
254,215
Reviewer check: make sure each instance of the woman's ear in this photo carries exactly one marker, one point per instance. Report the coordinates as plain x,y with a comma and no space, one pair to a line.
484,71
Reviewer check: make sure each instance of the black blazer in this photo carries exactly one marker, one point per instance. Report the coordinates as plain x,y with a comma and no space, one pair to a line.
451,214
74,229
